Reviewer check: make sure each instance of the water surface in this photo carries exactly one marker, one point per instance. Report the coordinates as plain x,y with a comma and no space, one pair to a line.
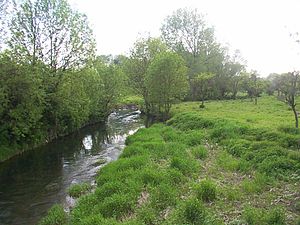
32,182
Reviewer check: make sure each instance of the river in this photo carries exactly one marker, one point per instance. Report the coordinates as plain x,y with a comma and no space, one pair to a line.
32,182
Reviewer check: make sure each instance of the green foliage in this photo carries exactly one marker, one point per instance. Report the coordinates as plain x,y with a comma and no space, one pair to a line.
147,215
257,185
22,103
206,191
248,145
142,54
267,217
199,152
163,195
56,216
51,32
194,211
228,162
77,190
117,205
184,165
165,82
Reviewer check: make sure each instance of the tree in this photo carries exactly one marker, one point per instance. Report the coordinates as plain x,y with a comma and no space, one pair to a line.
51,32
253,85
21,100
201,81
166,82
290,89
142,54
112,81
186,32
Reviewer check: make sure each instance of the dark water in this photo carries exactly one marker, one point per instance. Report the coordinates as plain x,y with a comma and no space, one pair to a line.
32,182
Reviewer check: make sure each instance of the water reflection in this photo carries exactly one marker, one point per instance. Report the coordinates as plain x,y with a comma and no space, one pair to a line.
35,180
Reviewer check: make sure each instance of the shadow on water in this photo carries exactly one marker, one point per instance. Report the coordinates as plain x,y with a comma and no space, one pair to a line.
32,182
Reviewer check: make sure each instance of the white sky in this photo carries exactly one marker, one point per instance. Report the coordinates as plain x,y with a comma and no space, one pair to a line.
258,28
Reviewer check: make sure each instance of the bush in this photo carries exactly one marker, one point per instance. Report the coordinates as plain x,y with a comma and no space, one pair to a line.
206,190
56,216
194,211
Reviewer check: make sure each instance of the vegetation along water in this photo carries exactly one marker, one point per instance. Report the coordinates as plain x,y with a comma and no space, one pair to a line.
223,149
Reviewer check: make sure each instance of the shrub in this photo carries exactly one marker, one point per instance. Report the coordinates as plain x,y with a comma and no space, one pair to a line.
56,216
206,190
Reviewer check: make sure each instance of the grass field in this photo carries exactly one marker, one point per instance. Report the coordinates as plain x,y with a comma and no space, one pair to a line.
232,162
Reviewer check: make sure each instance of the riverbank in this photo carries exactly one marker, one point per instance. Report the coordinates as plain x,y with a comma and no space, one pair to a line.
8,152
232,162
34,181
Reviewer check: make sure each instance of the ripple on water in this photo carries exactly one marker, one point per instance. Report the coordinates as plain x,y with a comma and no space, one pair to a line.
31,183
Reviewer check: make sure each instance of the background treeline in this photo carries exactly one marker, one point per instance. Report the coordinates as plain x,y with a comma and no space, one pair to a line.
52,82
210,73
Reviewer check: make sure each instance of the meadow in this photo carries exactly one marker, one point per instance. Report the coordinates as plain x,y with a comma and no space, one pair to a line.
232,162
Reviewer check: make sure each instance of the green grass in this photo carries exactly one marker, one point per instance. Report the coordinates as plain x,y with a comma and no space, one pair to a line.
56,215
77,190
232,162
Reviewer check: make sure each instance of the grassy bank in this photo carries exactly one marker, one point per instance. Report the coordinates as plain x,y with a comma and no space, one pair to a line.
230,163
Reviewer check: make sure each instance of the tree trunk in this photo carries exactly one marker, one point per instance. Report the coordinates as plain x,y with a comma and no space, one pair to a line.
296,117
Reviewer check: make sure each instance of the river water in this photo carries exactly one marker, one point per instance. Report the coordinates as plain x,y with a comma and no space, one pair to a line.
35,180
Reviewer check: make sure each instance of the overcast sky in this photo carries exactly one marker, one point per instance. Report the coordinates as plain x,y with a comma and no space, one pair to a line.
258,28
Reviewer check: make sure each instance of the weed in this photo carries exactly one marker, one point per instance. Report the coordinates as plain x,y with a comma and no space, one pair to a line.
194,211
199,152
206,190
